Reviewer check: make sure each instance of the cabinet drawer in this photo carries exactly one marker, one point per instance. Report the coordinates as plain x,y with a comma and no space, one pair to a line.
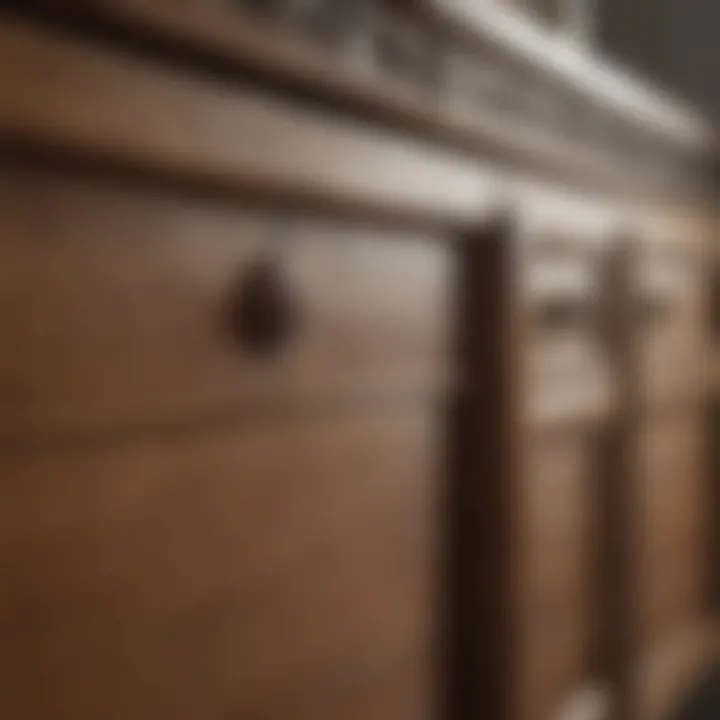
560,288
116,304
671,290
240,574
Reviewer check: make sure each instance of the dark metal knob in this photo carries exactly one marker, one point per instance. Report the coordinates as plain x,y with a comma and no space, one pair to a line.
264,313
562,314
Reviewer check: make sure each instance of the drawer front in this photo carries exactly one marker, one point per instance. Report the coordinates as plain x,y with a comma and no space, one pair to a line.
556,571
117,305
284,572
672,315
672,526
560,290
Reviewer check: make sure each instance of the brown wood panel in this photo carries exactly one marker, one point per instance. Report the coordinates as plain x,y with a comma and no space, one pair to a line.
154,117
529,499
281,571
653,510
555,507
222,35
116,304
672,324
556,565
674,628
671,527
713,488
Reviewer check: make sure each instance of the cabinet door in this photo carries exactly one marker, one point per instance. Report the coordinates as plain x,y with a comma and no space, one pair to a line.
281,571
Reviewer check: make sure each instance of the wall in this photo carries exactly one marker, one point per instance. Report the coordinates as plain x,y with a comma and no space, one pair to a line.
672,42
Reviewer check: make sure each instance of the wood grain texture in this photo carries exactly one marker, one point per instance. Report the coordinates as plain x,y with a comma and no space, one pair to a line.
655,511
219,37
672,453
115,305
282,572
527,518
133,113
672,527
288,567
555,572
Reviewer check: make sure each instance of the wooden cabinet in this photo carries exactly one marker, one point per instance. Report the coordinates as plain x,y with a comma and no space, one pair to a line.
319,399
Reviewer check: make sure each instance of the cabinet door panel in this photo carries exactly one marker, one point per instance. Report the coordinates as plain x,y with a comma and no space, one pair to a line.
556,571
279,572
672,526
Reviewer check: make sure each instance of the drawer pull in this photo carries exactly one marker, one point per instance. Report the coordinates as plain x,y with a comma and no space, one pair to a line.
264,313
565,314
